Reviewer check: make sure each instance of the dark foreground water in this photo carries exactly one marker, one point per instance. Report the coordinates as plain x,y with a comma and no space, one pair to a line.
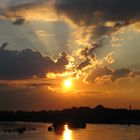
91,132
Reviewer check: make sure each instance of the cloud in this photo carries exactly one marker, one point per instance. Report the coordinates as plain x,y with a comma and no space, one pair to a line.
136,74
36,10
98,72
3,45
102,18
28,63
62,62
4,86
89,52
88,12
19,21
97,17
112,74
106,17
25,99
109,58
120,73
84,64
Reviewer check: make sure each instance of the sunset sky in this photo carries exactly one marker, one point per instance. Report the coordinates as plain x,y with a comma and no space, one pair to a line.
57,54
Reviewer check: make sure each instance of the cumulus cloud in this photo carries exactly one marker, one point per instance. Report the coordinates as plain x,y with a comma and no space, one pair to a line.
120,73
109,58
113,74
105,17
89,52
84,64
98,72
100,18
28,63
62,61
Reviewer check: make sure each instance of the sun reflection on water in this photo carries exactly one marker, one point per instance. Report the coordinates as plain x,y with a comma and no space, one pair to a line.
67,134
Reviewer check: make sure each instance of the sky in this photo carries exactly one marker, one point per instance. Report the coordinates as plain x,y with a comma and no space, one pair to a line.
93,45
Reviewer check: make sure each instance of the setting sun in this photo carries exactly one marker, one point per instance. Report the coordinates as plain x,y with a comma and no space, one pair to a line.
68,83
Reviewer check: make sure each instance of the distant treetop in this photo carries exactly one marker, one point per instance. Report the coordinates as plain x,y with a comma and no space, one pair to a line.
99,107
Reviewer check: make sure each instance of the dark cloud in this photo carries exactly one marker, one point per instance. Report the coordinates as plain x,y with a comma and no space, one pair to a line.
92,11
62,62
120,73
4,87
19,21
98,13
89,52
34,85
84,64
28,63
3,45
24,99
89,12
113,74
84,12
136,74
99,72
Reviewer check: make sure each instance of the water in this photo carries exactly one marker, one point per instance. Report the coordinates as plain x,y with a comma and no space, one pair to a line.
91,132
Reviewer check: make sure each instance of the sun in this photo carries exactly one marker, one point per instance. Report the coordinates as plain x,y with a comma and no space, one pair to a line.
68,83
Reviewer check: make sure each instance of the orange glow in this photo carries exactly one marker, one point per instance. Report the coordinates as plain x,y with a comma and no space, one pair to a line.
67,135
68,83
59,75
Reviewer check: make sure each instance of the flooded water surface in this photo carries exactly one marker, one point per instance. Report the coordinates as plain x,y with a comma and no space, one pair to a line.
39,131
